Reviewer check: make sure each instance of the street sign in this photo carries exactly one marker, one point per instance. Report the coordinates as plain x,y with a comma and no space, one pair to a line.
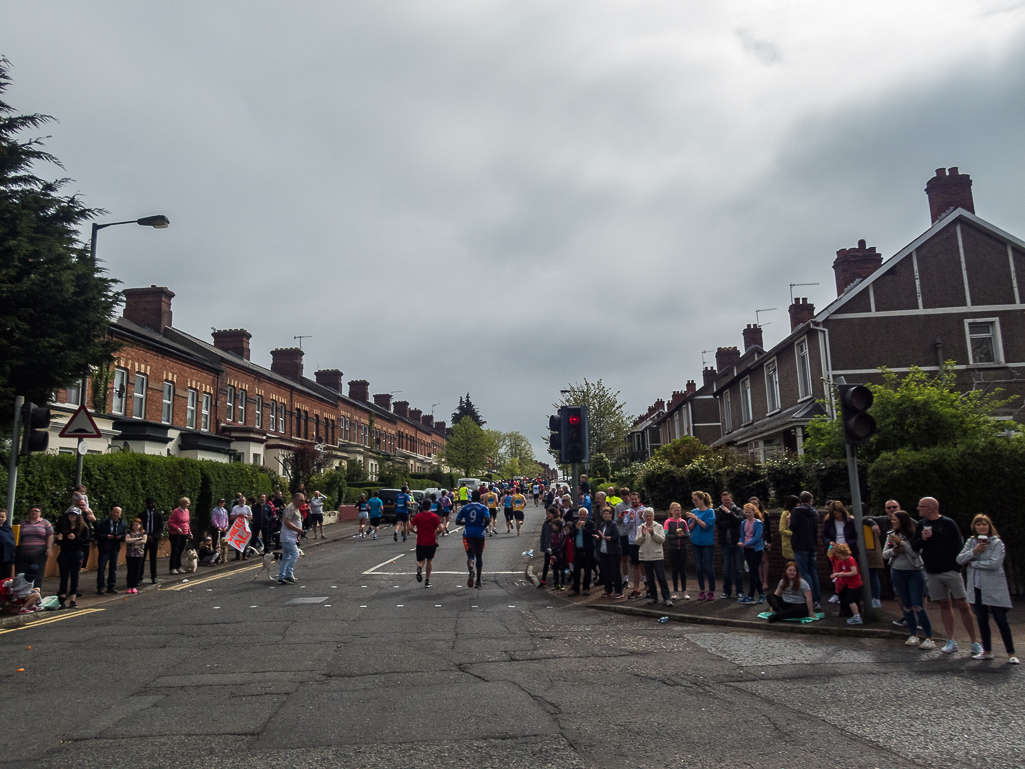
81,425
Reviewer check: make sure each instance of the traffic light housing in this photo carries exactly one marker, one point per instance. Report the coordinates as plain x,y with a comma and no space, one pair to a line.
35,436
574,442
858,424
555,439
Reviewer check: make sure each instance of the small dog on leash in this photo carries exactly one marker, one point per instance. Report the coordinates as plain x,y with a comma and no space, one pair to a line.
268,561
222,556
190,561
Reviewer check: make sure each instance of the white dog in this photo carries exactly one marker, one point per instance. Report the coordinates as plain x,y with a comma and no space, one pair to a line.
268,561
190,560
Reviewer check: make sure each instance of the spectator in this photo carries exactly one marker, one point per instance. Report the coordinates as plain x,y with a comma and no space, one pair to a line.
872,536
545,544
804,530
262,514
786,548
18,595
219,520
792,598
80,505
7,546
677,538
702,539
582,534
908,579
316,515
207,553
608,554
153,526
179,533
35,545
763,516
983,554
938,539
848,581
622,524
242,510
110,533
728,519
752,545
632,519
72,534
135,555
650,538
291,530
839,529
558,546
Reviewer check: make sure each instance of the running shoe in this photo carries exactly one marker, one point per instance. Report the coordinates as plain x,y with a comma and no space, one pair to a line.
976,648
983,656
477,586
835,599
419,574
927,644
1012,660
855,620
746,599
701,596
395,536
427,583
913,641
949,647
876,603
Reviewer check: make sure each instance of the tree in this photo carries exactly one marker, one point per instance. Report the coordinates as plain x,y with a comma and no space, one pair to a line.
55,304
511,469
600,466
301,464
467,409
917,412
607,421
680,452
468,448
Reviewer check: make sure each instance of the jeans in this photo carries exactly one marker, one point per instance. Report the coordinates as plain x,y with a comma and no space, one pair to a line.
703,566
877,586
655,571
289,555
805,561
982,612
108,563
909,585
732,567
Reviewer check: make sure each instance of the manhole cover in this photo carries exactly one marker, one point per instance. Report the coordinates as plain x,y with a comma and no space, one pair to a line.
308,599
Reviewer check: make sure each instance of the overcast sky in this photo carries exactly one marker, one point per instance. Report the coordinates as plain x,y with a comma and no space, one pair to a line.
506,197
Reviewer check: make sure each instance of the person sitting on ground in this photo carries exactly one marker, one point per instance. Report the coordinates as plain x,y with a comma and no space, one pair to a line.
848,581
19,596
207,552
792,599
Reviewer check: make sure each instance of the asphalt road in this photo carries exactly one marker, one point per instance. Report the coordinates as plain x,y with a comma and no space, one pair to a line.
358,665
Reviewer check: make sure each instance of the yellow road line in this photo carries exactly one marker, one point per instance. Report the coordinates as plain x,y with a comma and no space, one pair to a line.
51,620
193,583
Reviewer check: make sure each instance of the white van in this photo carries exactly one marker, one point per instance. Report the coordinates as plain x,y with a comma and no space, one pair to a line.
472,484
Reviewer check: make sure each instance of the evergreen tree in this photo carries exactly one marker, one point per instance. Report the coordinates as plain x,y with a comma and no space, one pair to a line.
55,304
467,409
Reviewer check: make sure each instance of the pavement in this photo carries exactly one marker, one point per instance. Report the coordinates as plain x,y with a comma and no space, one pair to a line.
360,665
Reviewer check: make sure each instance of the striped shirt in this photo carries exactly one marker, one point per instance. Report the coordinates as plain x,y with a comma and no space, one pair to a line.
33,536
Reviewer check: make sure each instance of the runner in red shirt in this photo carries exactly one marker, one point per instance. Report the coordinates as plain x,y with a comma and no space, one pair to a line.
426,525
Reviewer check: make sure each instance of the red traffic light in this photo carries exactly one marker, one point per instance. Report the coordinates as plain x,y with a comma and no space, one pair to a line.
574,419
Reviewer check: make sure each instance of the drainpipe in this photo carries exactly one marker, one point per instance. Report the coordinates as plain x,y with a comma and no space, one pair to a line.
938,347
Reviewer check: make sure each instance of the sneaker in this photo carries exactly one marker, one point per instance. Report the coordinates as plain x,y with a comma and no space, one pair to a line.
725,596
477,586
761,598
27,611
983,656
1013,661
669,603
281,582
927,644
395,536
652,601
835,599
912,641
419,574
855,620
617,596
153,581
701,596
469,580
427,583
291,580
540,584
634,594
375,536
976,648
100,591
876,603
746,599
817,606
900,623
686,596
111,591
709,596
403,537
949,647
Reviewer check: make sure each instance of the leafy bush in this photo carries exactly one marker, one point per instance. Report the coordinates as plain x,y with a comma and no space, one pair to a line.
681,451
785,475
662,483
745,479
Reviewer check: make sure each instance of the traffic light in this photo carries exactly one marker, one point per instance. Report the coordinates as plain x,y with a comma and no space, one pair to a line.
555,439
858,424
574,444
35,421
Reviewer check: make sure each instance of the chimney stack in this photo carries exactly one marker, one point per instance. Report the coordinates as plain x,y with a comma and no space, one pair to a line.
415,414
401,408
801,312
234,341
752,337
691,387
330,378
439,426
149,307
707,376
359,390
287,361
726,357
948,190
854,264
383,400
427,420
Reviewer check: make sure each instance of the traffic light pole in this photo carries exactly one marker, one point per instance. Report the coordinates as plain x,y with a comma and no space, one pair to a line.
12,468
859,518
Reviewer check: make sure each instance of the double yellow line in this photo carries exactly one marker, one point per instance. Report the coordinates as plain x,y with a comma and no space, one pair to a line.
204,580
51,620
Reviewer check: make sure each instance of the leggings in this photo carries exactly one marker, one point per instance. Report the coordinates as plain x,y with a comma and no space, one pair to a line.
69,560
559,571
785,610
678,567
982,612
474,553
135,564
754,561
703,566
610,572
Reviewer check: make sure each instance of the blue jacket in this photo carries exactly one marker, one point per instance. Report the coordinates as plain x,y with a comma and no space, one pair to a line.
756,541
704,536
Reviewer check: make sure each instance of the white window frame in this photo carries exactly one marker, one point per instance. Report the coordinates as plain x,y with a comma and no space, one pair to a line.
139,396
258,413
204,423
281,418
190,409
120,397
772,401
167,403
804,387
229,405
272,412
73,394
996,337
727,412
747,414
241,407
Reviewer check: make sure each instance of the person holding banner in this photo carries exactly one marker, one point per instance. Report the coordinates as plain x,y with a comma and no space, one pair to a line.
241,510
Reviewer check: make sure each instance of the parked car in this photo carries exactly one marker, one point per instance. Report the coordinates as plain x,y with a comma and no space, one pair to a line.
388,496
418,496
471,483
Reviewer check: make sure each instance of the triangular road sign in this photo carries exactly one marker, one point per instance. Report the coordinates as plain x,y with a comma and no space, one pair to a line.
81,425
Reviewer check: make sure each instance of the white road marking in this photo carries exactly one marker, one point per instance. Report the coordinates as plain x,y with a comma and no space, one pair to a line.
411,573
372,569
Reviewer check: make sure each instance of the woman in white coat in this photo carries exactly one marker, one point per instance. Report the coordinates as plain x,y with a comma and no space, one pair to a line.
983,554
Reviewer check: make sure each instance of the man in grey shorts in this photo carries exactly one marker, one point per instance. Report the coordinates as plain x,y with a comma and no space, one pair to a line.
938,540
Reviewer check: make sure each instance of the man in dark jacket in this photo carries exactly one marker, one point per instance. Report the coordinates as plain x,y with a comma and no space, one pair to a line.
804,523
262,514
582,533
153,526
728,520
110,533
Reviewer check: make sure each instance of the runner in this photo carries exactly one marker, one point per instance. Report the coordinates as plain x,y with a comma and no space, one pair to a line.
536,491
490,501
519,503
464,494
507,502
474,516
426,524
445,509
402,502
375,508
364,514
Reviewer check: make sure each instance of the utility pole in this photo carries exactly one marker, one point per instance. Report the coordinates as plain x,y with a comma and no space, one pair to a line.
12,466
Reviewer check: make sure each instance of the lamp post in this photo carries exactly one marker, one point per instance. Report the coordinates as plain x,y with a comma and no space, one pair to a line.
158,222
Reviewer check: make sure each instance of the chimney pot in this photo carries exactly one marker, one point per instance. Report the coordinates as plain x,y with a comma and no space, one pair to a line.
427,420
947,191
691,386
752,337
800,313
288,362
415,414
707,376
854,264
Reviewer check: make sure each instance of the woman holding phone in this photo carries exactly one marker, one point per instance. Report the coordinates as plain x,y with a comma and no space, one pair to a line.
983,554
